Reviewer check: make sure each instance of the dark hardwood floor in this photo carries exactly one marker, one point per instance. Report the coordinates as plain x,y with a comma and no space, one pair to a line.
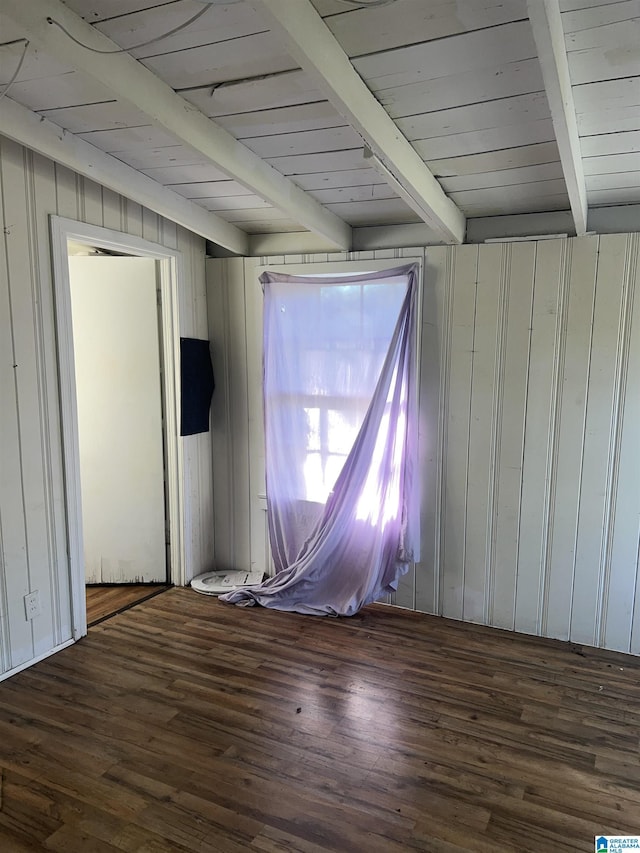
104,600
189,725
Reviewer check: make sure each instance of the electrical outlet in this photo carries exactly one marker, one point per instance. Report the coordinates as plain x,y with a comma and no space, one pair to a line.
32,605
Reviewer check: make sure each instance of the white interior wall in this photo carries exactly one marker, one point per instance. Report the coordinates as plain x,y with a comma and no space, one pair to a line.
530,416
33,554
117,366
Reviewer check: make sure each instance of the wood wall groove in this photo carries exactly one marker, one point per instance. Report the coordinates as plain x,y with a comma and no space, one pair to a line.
529,417
33,546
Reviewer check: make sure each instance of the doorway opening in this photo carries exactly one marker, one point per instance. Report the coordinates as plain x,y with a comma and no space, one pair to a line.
118,345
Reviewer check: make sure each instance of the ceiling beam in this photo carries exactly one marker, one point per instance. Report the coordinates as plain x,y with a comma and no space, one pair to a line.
41,135
314,47
131,82
546,22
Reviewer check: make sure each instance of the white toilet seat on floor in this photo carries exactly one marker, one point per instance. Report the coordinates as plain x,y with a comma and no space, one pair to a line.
217,583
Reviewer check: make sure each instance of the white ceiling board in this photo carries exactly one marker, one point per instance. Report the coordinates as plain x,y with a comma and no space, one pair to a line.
97,10
36,66
613,54
493,161
102,116
217,24
602,121
587,66
503,178
314,116
374,212
477,142
630,195
306,142
471,87
619,180
345,194
597,16
305,164
183,174
607,94
525,205
278,226
365,31
495,114
66,90
469,52
134,139
343,178
210,189
240,202
277,90
257,54
8,32
611,143
166,156
474,199
621,34
615,163
573,5
254,214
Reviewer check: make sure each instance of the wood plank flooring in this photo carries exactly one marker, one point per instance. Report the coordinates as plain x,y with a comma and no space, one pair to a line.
188,725
104,600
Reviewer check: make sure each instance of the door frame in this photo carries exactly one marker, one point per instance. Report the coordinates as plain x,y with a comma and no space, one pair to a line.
170,275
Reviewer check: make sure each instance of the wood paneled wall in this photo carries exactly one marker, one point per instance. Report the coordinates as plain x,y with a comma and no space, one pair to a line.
33,550
529,435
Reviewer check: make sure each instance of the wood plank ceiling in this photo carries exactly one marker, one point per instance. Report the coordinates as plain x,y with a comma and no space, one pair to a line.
461,80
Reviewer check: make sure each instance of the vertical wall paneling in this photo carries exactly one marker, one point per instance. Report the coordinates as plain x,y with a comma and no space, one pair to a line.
90,195
257,487
455,465
33,541
434,349
620,551
111,212
221,432
554,481
40,182
239,405
509,413
530,570
570,431
407,591
230,421
486,357
17,643
629,486
29,380
589,581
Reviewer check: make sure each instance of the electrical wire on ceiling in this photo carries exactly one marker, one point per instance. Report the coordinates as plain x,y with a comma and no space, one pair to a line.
172,32
8,86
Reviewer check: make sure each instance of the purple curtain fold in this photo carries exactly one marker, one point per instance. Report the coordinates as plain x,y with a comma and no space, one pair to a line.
341,439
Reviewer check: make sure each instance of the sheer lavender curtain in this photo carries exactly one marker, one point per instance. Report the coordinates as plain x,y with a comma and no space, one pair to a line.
341,439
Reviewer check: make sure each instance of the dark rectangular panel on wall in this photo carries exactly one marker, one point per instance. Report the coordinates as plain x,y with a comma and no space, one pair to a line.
197,385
